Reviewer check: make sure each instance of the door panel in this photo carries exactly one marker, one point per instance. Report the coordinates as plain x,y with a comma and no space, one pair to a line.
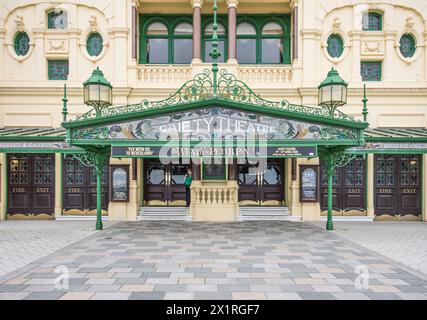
348,188
164,184
261,186
176,194
398,185
409,199
80,187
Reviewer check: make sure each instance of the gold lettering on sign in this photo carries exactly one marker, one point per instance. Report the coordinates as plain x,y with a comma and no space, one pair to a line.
18,190
42,190
385,191
409,191
73,190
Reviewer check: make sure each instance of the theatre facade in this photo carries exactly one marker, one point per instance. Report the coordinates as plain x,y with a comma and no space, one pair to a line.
282,109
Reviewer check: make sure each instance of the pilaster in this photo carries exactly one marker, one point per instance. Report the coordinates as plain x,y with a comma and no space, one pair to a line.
197,30
389,55
355,63
58,184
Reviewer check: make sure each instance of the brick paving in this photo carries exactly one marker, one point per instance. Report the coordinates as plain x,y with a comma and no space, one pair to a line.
405,242
22,242
182,260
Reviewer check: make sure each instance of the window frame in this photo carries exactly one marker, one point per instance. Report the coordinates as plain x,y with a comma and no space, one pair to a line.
414,44
15,43
380,62
89,51
170,21
259,21
368,14
341,41
49,61
221,20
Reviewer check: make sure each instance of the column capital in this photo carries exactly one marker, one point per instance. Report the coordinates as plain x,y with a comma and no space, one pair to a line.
232,3
197,3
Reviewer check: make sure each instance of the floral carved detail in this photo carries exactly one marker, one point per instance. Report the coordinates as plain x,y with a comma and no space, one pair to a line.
57,45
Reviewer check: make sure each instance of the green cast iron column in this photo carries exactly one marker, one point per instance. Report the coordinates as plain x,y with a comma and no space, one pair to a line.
98,199
329,223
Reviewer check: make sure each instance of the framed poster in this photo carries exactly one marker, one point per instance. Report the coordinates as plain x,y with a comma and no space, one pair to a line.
309,183
119,183
214,171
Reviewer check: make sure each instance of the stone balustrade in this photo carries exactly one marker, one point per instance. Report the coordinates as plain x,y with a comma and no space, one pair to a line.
173,76
216,201
264,74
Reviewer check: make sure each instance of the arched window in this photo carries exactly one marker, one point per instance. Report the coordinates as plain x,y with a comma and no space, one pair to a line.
372,21
272,39
183,43
21,43
335,46
246,43
94,44
57,20
407,45
157,43
222,42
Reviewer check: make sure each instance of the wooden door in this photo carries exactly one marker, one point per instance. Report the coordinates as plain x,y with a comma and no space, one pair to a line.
386,184
272,187
176,188
248,180
43,188
409,185
19,186
80,187
155,181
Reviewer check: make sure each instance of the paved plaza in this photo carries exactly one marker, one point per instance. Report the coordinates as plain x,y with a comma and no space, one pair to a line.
405,242
190,260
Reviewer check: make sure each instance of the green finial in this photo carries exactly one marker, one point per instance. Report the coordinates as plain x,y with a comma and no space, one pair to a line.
215,54
365,104
64,106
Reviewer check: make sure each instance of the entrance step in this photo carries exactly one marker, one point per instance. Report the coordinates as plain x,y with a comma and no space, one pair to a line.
164,214
266,213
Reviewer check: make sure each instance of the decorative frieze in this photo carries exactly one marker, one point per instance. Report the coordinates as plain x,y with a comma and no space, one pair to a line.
372,47
55,46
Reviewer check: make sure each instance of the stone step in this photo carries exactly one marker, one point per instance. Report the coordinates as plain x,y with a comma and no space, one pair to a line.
265,214
164,214
79,218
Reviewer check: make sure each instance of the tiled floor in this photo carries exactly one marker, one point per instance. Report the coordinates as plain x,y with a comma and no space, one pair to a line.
182,260
22,242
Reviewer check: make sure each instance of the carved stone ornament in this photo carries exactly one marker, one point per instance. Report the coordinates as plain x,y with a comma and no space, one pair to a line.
372,48
409,22
337,23
93,22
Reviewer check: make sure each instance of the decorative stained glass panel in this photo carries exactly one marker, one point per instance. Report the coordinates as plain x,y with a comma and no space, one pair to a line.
371,70
22,43
335,46
372,21
407,45
94,44
58,69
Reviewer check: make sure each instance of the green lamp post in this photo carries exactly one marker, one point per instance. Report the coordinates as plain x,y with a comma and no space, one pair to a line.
98,93
332,92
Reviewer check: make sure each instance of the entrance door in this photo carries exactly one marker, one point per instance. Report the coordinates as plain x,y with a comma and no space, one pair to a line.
261,187
398,185
348,188
164,184
80,187
31,188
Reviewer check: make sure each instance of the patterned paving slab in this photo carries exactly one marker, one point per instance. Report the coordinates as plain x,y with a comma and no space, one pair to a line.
189,260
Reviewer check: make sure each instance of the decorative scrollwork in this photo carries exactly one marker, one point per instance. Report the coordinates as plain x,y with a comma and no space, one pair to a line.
93,159
201,88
